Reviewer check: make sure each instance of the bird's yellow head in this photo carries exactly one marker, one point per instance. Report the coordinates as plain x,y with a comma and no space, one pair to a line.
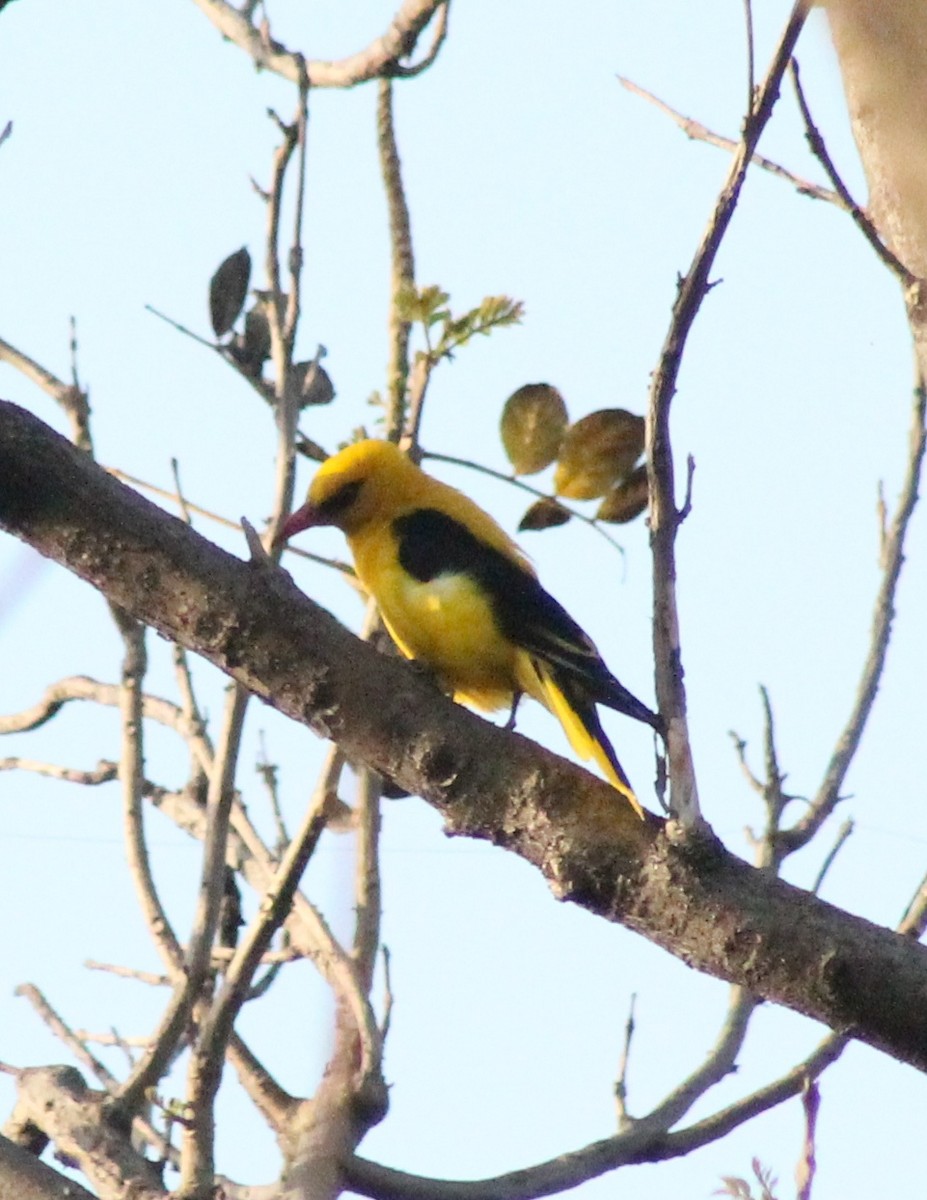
354,486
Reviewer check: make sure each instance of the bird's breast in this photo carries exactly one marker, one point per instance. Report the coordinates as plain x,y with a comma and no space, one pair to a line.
446,621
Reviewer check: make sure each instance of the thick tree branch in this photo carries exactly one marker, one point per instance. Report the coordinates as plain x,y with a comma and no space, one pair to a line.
682,891
57,1101
25,1177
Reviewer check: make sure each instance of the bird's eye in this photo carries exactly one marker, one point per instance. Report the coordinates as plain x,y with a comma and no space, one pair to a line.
341,500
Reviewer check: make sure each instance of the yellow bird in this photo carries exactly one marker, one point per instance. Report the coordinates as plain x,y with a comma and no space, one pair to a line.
457,593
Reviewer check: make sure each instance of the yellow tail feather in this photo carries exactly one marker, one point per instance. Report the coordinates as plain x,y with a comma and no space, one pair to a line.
582,741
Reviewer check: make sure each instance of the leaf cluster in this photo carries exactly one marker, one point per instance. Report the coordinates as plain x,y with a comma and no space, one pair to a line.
597,457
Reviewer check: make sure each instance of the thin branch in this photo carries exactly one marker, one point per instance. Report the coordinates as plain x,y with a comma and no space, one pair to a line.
309,932
345,568
151,1067
268,772
514,481
828,794
751,61
132,777
147,977
698,132
664,518
621,1083
224,351
276,310
843,833
104,772
402,259
220,957
720,1061
283,311
807,1164
721,1123
201,751
70,398
111,1038
197,1144
215,1030
638,1145
862,220
419,377
379,57
66,1034
387,997
914,921
181,501
740,748
295,261
82,687
398,71
368,904
273,1103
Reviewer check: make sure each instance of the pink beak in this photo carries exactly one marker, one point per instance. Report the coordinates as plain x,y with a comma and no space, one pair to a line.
297,521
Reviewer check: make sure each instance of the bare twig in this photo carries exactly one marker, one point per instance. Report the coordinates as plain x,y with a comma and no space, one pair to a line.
295,260
842,834
273,1103
664,517
701,133
720,1061
174,1022
111,1038
387,996
215,1030
437,41
268,772
514,481
401,256
740,747
345,568
81,687
131,776
804,1172
751,62
196,1157
148,977
637,1145
283,310
367,877
104,772
828,793
253,946
914,921
66,1034
75,1040
621,1083
70,398
181,502
862,220
379,57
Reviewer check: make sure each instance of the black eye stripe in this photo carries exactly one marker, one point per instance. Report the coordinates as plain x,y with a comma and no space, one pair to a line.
340,501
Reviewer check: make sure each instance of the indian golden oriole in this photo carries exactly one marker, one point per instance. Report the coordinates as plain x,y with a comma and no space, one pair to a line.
457,593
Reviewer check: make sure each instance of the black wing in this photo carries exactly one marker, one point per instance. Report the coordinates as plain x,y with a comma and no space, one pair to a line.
430,543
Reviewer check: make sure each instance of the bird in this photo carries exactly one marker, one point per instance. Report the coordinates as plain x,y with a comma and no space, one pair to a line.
456,593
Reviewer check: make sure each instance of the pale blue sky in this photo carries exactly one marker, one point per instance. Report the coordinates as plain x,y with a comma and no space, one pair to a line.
531,172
